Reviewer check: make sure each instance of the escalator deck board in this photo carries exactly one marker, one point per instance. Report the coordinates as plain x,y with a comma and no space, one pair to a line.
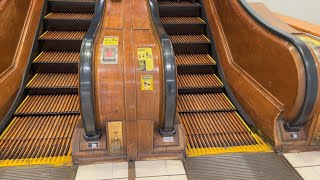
57,57
54,80
49,104
37,140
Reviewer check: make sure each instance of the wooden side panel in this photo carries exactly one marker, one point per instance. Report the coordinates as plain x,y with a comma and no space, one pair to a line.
113,15
148,102
18,23
260,105
109,83
258,53
145,136
140,17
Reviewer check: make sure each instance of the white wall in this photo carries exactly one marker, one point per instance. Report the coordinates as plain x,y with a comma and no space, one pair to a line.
308,10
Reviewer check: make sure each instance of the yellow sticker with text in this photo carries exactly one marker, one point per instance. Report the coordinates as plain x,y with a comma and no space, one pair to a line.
111,40
145,59
146,82
309,40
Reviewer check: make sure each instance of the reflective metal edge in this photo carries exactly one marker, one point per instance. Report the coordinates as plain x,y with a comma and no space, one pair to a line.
86,83
308,62
170,72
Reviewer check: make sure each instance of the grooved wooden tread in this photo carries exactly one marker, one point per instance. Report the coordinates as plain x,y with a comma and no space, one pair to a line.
63,35
203,102
174,3
198,81
215,129
38,137
198,38
70,16
57,57
181,20
49,104
194,59
54,80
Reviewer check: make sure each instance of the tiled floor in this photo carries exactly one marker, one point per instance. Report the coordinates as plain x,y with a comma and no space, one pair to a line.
108,171
144,170
160,170
306,163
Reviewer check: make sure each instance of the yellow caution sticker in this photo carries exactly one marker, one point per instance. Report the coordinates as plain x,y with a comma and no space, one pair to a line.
146,82
145,59
111,40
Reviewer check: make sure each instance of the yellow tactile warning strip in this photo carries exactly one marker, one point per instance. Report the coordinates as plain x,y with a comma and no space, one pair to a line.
181,20
203,102
53,80
57,57
198,81
219,132
37,140
199,38
194,59
73,16
173,3
61,35
48,104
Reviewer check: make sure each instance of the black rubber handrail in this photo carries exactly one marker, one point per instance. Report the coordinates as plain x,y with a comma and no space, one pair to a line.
170,73
86,83
309,66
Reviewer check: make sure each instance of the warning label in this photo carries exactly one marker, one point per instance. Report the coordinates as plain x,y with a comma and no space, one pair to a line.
111,40
145,59
146,82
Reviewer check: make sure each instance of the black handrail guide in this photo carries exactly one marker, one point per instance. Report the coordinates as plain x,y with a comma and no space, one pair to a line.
86,83
309,66
170,73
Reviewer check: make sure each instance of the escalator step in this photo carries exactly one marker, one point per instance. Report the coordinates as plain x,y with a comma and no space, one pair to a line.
198,38
49,105
57,57
216,129
181,20
74,0
174,3
194,59
70,16
38,137
198,81
63,35
53,80
204,102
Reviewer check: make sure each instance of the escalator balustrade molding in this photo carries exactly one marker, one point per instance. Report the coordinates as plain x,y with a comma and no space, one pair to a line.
42,126
210,119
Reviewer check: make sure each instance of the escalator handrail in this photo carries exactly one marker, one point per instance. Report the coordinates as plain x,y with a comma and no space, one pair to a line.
170,73
86,83
309,66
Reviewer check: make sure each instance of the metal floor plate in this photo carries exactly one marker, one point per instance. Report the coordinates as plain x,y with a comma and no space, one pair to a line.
38,173
253,166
